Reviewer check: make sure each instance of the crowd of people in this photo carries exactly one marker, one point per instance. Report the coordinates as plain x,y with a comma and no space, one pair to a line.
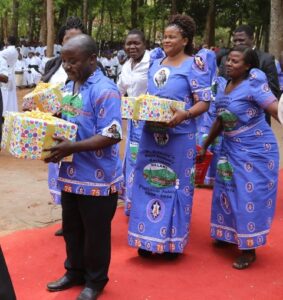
227,109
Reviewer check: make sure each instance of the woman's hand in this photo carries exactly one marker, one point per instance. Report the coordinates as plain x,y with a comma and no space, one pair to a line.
201,154
62,149
179,116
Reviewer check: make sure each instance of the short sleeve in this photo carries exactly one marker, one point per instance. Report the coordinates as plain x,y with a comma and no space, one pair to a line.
201,75
259,88
156,53
108,114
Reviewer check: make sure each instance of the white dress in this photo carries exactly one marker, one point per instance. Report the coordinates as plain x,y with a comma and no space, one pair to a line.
9,94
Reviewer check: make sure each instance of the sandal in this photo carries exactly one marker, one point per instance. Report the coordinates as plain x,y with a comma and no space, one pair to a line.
245,260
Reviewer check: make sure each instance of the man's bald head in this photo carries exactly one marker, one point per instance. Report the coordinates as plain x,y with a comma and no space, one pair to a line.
83,42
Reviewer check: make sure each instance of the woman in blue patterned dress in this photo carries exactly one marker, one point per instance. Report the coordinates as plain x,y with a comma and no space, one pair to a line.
163,185
247,171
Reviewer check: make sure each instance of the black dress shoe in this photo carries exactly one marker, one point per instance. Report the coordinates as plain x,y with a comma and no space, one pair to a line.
144,253
59,232
64,283
170,255
89,294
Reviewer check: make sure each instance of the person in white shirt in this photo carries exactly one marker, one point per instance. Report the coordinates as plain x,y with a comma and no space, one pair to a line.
3,79
110,65
39,49
133,82
33,64
44,60
9,94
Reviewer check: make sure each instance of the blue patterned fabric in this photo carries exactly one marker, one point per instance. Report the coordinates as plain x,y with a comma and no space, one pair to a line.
204,124
163,185
134,132
55,191
247,171
96,111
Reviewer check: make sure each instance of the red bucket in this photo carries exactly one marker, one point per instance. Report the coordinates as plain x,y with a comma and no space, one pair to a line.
202,165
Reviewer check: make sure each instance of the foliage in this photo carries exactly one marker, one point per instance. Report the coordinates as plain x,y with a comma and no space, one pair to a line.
112,18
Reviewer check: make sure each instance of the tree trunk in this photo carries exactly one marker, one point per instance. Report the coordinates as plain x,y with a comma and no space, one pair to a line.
173,7
43,24
111,25
276,28
31,25
154,23
141,5
15,18
101,21
50,28
89,24
209,32
134,13
85,15
5,25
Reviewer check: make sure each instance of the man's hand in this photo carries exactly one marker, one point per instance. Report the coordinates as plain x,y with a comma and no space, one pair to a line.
62,149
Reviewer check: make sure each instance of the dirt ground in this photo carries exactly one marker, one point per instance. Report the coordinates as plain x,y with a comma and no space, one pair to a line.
25,199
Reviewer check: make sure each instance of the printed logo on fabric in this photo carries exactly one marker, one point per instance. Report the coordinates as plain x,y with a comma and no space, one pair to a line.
163,232
141,227
161,138
99,174
71,171
271,165
225,203
159,175
98,153
248,166
249,187
269,203
251,226
80,190
155,210
160,78
134,148
250,207
224,169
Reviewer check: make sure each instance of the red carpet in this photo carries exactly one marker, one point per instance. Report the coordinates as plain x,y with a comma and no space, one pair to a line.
35,257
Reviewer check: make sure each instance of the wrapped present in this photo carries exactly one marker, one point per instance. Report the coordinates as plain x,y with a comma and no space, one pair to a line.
127,107
27,134
46,97
202,164
156,109
6,130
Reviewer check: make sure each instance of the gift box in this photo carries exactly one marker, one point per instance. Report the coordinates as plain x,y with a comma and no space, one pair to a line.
27,134
127,107
202,164
46,97
156,109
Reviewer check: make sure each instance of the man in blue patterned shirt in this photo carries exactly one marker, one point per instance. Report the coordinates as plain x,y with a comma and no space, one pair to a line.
89,183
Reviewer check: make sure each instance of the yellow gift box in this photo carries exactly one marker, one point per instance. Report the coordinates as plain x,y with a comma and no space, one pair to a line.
25,135
155,109
46,97
127,107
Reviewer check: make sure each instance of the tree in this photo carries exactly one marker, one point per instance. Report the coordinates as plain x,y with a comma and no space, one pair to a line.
15,18
209,32
43,27
50,28
276,28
